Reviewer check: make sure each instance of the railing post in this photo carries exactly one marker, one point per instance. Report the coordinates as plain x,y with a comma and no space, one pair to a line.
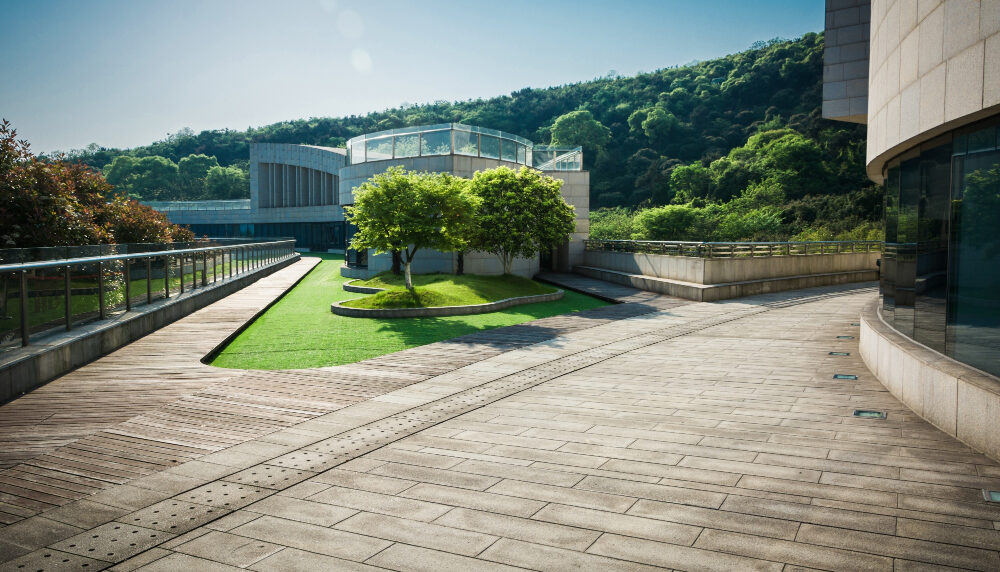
181,260
204,269
103,311
128,284
24,307
230,251
166,276
149,280
68,300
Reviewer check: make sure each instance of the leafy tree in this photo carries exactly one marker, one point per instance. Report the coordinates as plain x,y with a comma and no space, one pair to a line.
521,213
226,183
674,221
57,203
196,166
404,211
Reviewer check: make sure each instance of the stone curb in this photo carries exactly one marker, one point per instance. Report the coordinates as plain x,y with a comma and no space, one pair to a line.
360,289
336,308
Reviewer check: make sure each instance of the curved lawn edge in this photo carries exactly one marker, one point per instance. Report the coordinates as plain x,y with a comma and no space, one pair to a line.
360,289
486,308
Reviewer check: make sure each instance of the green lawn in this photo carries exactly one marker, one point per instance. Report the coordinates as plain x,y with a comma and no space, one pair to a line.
431,290
301,332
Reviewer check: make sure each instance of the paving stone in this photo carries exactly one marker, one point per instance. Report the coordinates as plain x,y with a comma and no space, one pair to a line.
416,559
379,503
485,501
300,510
529,530
49,559
450,478
225,495
37,531
229,549
312,538
417,533
675,556
174,516
289,559
175,562
364,481
547,558
574,497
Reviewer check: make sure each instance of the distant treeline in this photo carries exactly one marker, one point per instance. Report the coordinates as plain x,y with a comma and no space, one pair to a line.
746,126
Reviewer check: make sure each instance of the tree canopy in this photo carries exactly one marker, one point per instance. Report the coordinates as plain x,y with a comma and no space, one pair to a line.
403,211
58,203
520,213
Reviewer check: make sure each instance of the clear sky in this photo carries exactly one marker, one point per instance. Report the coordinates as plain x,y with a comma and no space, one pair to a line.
126,73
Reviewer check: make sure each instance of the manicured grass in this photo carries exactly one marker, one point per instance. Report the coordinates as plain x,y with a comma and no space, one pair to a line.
301,332
431,290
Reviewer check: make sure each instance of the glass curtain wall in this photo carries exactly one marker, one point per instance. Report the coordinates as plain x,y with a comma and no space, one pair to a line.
941,267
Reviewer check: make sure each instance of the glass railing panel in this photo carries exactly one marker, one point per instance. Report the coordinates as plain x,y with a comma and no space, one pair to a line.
508,150
114,287
10,309
435,143
83,288
489,147
379,149
521,156
466,143
407,146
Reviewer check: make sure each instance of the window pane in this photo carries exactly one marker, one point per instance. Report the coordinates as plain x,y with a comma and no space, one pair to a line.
888,274
932,247
466,143
508,150
973,297
520,154
435,143
407,146
489,147
379,149
906,244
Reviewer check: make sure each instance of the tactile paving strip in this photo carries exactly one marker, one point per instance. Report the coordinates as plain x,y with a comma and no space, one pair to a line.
113,542
173,515
47,560
224,495
270,476
307,460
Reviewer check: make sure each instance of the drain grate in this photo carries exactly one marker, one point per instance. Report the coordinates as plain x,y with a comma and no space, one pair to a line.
174,516
224,495
47,559
113,542
270,476
845,337
840,353
991,496
869,414
844,376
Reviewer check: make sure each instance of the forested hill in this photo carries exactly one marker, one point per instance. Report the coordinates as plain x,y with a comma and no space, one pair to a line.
693,116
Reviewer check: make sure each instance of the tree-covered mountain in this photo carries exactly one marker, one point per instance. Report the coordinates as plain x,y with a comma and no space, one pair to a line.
676,135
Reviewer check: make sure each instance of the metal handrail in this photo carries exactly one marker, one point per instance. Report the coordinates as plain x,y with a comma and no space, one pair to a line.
243,258
734,249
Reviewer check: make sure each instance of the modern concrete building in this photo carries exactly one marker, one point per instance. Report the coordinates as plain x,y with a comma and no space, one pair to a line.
930,95
300,191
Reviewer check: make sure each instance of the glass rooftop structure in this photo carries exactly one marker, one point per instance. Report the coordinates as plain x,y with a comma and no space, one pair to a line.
459,139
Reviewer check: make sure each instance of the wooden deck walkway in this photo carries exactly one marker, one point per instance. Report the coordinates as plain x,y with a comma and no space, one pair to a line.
152,404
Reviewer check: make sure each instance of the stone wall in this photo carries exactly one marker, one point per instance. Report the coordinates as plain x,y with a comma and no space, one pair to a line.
845,60
935,65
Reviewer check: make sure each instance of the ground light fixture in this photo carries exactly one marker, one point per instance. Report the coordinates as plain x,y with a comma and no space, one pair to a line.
840,353
844,376
869,414
845,337
991,496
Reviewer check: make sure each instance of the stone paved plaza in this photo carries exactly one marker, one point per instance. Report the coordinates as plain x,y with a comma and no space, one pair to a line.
688,436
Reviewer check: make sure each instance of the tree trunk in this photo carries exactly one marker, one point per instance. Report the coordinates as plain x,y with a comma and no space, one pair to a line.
397,258
461,264
508,263
409,280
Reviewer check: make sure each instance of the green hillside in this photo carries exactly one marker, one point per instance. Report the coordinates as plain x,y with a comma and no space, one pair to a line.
744,127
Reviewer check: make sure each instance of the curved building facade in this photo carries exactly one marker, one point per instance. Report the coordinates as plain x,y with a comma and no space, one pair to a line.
300,191
931,98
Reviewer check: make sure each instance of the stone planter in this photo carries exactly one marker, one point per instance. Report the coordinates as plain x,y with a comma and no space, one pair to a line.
340,310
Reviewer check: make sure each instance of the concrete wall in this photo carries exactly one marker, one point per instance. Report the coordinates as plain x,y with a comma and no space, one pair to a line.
845,60
310,158
935,65
47,359
724,270
431,261
960,400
